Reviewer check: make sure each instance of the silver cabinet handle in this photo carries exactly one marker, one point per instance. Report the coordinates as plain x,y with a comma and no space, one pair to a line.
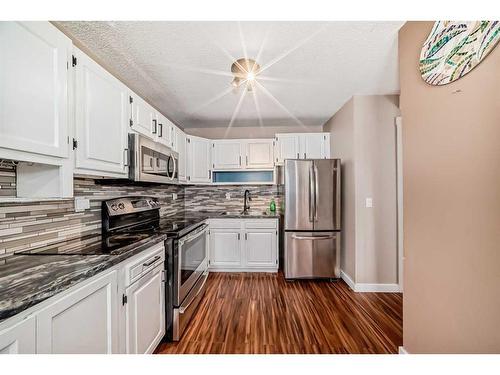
238,236
147,264
298,156
305,155
155,127
126,158
160,130
313,238
246,159
240,160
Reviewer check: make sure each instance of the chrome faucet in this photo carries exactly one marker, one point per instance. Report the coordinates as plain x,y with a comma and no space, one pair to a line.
247,198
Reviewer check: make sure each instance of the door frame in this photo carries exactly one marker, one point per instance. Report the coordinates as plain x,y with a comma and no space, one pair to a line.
399,183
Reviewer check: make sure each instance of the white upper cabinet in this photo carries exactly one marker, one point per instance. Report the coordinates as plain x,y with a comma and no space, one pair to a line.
101,119
237,154
142,117
227,154
302,146
315,146
198,160
34,63
164,130
287,147
181,142
259,153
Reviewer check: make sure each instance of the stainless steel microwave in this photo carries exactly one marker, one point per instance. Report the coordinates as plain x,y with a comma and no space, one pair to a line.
151,161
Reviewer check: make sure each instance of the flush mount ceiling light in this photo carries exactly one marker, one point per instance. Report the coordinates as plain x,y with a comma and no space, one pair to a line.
245,71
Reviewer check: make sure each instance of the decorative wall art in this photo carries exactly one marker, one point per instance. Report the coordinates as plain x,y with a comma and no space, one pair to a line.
454,48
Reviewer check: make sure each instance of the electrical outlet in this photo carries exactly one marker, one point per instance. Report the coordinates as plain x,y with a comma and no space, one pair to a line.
228,196
81,204
369,203
174,196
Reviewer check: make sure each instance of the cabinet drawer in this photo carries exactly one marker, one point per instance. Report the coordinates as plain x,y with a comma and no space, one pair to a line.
261,223
144,262
225,223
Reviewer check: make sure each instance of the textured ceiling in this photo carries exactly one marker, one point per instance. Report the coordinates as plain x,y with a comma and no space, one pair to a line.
182,68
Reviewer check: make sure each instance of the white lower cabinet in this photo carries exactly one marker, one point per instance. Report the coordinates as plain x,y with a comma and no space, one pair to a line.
261,248
145,313
19,338
225,248
82,321
244,245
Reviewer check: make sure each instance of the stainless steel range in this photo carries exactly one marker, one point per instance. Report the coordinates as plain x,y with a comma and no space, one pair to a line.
186,255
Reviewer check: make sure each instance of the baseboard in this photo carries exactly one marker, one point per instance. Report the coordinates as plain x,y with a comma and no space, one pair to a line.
383,288
402,350
364,287
246,270
347,280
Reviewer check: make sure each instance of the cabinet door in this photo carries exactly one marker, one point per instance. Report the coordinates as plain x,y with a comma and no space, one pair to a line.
19,338
143,117
261,248
198,159
83,321
34,59
287,147
259,154
174,136
164,131
145,313
101,118
313,146
227,154
225,248
182,151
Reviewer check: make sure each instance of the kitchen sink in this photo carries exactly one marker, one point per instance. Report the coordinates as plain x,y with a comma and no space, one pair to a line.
248,213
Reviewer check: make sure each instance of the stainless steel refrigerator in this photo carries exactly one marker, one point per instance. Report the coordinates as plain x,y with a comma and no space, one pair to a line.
312,218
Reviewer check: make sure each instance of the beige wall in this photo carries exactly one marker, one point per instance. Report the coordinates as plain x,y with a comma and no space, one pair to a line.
249,132
341,127
363,136
451,153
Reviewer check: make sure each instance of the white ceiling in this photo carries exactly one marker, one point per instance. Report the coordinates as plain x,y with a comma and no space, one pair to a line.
181,67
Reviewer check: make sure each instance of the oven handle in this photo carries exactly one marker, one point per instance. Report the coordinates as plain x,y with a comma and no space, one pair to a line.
182,309
147,264
198,233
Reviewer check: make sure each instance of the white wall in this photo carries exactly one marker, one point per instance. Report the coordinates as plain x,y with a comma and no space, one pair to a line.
363,135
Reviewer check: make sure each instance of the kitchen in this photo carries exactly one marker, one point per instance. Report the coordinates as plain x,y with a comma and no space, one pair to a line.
192,199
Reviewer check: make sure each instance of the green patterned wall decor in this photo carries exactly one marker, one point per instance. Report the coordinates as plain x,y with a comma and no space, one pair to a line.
454,48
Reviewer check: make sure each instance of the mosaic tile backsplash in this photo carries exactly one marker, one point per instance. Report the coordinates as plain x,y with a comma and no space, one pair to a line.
208,198
27,225
34,224
7,182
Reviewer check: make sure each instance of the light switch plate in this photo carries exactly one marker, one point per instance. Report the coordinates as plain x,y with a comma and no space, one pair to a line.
228,196
174,196
369,203
81,204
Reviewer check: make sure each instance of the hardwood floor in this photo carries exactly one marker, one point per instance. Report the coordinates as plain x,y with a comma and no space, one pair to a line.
263,313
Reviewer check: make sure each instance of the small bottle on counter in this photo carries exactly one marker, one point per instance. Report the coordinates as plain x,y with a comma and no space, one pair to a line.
272,206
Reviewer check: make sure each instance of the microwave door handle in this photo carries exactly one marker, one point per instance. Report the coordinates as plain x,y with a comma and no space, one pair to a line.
173,170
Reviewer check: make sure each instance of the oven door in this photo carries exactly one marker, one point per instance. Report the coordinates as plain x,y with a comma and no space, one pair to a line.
191,262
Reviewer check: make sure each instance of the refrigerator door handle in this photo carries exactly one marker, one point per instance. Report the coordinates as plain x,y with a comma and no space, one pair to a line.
313,238
311,194
316,192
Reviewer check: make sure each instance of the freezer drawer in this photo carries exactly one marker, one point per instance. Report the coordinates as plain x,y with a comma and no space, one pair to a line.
310,255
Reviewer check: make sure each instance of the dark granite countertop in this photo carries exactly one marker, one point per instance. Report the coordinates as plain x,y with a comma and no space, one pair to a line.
26,280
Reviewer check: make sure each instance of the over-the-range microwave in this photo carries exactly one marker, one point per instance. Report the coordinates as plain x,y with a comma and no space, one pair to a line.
151,161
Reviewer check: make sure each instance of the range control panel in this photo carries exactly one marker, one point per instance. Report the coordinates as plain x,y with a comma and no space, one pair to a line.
128,205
